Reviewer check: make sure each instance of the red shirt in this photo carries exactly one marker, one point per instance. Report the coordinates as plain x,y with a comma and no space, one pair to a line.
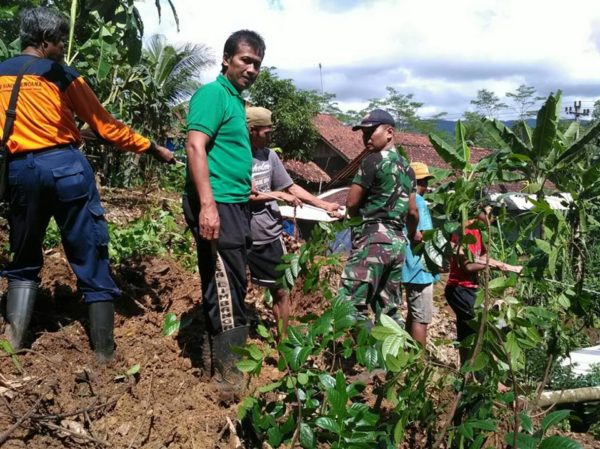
458,276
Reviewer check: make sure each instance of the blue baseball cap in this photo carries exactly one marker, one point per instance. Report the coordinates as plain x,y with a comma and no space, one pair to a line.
375,118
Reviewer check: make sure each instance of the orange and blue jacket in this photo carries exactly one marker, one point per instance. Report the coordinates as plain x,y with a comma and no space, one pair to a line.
50,97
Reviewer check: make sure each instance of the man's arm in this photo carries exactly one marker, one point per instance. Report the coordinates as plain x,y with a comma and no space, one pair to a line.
87,106
355,198
479,264
264,197
208,219
309,198
412,218
493,263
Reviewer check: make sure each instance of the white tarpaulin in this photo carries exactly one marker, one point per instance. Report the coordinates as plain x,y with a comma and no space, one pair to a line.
581,361
308,212
520,201
311,213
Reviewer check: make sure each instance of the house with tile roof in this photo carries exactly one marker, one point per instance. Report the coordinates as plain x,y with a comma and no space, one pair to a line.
339,145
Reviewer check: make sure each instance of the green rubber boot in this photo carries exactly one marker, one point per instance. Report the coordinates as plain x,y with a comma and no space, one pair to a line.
102,316
19,308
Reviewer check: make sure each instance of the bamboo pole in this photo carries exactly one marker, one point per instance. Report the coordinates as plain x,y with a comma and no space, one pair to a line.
575,395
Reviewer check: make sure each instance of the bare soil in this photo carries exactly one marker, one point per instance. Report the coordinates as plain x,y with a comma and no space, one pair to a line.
70,401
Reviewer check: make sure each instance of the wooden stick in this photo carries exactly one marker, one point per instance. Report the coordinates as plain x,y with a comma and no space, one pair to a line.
91,408
20,421
73,433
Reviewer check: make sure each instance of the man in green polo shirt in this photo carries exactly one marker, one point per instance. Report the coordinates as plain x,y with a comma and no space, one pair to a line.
215,203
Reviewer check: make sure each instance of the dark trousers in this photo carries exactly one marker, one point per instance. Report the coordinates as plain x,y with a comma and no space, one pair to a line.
222,264
58,183
462,301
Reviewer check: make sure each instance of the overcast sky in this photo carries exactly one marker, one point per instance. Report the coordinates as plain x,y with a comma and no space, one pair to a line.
441,51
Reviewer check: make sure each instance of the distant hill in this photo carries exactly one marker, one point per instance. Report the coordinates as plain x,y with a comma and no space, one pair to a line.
449,125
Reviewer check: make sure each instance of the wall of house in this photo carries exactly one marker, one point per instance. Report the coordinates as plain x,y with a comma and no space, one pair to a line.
327,159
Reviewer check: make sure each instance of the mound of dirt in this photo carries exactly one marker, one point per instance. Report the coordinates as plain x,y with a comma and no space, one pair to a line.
167,403
156,394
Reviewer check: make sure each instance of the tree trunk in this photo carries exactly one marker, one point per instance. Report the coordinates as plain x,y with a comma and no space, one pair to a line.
575,395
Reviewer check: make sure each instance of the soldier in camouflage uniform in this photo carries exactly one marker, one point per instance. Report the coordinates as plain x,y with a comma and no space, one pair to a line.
383,194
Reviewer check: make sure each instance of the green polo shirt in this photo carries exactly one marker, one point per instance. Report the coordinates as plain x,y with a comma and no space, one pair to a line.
217,110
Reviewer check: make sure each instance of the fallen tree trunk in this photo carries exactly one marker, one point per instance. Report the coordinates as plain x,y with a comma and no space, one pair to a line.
575,395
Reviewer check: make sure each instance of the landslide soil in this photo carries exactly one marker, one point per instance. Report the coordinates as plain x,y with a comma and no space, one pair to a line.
169,402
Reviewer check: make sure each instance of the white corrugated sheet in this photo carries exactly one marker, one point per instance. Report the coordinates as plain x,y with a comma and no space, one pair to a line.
520,201
308,212
581,361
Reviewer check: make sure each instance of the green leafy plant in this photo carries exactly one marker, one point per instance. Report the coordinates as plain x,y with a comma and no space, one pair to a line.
171,324
133,371
52,238
155,233
7,347
327,361
529,438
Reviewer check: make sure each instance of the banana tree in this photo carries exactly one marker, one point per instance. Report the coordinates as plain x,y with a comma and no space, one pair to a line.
542,154
106,29
545,154
470,178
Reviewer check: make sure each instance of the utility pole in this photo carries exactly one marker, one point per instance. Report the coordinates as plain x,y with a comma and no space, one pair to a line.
321,76
577,112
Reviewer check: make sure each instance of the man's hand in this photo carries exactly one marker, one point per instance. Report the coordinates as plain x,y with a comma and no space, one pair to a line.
163,154
290,199
330,207
418,237
209,222
512,268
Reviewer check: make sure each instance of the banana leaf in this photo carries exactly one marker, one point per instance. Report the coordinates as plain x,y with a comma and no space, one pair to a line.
544,133
447,153
577,148
505,138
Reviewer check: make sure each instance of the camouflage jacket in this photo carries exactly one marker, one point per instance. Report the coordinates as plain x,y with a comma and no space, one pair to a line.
388,180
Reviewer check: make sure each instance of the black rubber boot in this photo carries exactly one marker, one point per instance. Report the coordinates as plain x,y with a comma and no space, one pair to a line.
102,315
230,380
19,308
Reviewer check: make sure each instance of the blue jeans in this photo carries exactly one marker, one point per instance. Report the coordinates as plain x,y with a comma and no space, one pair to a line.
58,183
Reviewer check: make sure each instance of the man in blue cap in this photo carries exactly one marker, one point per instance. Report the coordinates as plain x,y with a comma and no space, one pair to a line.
383,194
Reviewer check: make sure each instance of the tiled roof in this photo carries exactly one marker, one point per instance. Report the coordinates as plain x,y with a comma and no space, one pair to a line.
418,147
349,143
340,137
336,195
307,171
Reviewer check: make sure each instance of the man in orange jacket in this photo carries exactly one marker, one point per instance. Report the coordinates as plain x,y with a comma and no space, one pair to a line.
50,177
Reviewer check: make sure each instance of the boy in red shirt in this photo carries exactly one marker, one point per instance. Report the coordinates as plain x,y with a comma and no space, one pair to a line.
463,280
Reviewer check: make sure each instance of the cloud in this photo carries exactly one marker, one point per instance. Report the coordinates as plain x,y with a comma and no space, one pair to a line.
477,70
443,52
338,5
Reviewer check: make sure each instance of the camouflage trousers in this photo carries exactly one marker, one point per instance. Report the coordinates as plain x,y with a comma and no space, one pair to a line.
372,276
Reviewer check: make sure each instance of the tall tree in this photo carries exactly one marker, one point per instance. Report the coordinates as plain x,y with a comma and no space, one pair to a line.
523,99
596,111
487,104
175,70
293,110
112,22
401,106
474,130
